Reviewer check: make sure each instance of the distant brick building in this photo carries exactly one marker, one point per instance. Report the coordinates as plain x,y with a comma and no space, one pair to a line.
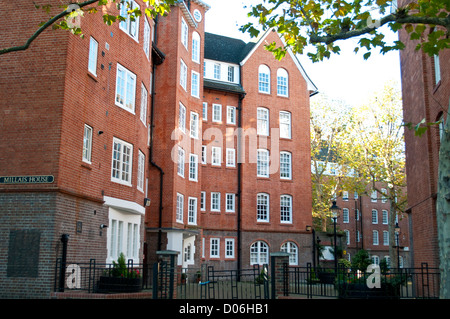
365,222
426,93
122,141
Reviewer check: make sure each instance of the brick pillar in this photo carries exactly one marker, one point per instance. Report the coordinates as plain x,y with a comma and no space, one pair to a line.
280,275
170,257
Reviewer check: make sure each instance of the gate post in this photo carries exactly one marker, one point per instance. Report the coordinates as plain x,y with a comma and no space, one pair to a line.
280,274
169,257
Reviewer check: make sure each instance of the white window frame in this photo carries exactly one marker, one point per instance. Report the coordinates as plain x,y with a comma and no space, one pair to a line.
181,161
192,211
385,216
182,118
122,162
87,144
202,201
144,104
204,153
217,113
183,74
193,167
259,253
123,86
383,197
385,238
127,25
262,163
147,31
231,73
285,165
205,111
195,47
345,196
184,33
194,127
214,248
141,171
217,71
215,201
216,156
285,125
345,215
231,157
437,69
195,84
262,121
264,79
286,210
262,207
179,208
231,115
229,247
374,196
230,202
292,249
374,216
93,54
375,238
282,83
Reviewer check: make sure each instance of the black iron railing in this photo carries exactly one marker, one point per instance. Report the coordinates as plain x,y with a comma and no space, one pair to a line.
347,283
95,277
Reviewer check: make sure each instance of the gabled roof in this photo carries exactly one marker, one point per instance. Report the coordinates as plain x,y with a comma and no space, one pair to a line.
311,86
231,50
225,49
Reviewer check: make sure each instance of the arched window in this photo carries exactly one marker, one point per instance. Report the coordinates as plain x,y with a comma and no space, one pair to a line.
262,121
259,253
347,236
286,209
292,249
264,79
262,207
285,165
196,47
282,82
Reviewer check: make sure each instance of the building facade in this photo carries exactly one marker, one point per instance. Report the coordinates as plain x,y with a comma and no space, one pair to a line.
426,95
121,142
365,223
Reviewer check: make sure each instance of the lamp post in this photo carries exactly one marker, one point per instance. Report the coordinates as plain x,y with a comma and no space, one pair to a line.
334,215
397,233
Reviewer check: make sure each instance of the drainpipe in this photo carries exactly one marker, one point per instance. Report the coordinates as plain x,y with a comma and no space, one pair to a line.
62,276
152,125
239,177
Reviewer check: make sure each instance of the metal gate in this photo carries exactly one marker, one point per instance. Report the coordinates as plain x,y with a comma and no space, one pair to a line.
210,283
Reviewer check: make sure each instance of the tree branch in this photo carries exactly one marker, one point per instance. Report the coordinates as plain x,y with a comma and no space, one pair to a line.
445,22
44,27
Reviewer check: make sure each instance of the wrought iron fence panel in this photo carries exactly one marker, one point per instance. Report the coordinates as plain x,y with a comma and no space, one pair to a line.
346,283
209,283
86,276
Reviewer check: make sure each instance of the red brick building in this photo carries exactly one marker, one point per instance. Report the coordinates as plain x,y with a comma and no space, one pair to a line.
123,141
366,224
426,93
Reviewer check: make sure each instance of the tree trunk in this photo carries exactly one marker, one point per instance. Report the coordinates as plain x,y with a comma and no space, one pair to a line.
443,212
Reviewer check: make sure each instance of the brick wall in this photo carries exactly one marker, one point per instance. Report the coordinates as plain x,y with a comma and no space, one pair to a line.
423,98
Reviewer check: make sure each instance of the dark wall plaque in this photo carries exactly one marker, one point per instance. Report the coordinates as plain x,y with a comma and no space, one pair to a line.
23,254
